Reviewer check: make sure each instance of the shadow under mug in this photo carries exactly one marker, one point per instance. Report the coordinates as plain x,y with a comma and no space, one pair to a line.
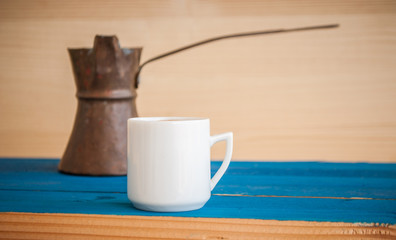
169,162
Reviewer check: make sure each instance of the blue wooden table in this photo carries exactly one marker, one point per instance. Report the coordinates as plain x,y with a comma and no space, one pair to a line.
293,191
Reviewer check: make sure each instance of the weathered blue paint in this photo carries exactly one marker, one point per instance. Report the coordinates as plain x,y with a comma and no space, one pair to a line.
34,185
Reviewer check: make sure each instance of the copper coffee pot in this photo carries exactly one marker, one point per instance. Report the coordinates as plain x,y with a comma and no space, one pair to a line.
106,78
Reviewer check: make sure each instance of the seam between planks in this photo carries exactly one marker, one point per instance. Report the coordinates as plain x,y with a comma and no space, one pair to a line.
276,196
216,194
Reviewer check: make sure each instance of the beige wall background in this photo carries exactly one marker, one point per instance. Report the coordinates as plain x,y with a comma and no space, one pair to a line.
321,95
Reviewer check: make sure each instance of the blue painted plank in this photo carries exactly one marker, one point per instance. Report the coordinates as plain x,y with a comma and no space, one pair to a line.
28,185
305,209
315,179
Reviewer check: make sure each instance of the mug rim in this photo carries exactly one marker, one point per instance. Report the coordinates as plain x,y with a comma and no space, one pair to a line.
167,119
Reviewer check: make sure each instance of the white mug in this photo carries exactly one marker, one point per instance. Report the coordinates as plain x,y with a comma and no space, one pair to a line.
169,162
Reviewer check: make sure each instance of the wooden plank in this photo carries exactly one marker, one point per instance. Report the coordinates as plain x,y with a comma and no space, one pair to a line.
78,226
292,191
324,95
270,208
136,9
371,181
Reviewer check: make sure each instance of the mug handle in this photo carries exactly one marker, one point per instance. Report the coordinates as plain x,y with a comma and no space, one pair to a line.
228,137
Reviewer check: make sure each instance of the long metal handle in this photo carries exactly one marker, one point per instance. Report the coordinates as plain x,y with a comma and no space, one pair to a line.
225,37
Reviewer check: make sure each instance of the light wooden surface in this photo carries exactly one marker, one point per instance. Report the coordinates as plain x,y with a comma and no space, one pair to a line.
321,95
78,226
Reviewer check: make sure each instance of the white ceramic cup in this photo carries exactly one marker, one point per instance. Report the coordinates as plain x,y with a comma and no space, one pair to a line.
169,162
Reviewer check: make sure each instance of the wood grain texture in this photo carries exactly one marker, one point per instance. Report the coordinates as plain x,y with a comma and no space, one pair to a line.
78,226
320,192
322,95
37,202
292,179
